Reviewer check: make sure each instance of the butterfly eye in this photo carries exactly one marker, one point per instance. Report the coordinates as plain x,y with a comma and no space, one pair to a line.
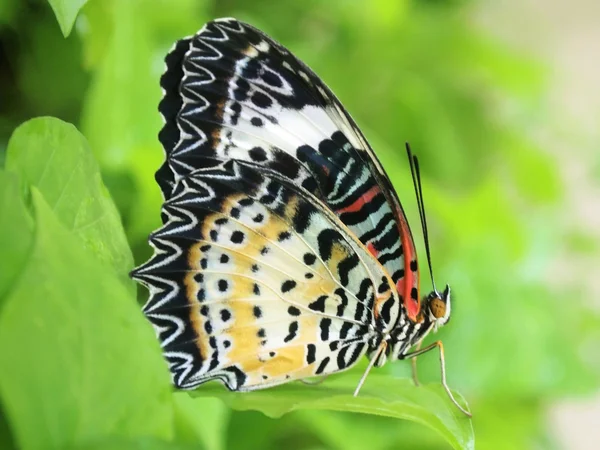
437,307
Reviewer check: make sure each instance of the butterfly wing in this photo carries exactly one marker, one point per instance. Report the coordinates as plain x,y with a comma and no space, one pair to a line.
231,92
256,283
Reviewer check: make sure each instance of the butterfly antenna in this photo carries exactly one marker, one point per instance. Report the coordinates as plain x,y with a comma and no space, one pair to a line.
416,177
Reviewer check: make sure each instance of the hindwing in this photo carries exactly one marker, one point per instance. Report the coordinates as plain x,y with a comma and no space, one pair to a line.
255,282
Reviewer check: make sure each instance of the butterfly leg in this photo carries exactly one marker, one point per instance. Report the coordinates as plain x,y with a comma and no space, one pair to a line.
315,382
381,349
440,346
413,363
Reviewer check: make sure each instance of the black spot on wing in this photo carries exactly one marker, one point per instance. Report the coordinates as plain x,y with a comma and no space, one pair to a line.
326,240
324,325
310,353
346,266
292,332
293,311
287,286
322,365
258,154
319,304
341,293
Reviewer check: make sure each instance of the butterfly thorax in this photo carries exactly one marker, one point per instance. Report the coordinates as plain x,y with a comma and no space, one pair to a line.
434,313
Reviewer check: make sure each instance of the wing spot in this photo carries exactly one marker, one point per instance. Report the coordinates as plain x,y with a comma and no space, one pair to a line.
237,237
322,366
225,315
224,259
324,325
258,154
223,285
293,311
318,304
311,349
261,100
267,198
237,109
257,312
257,122
309,259
272,79
241,93
292,332
284,235
288,285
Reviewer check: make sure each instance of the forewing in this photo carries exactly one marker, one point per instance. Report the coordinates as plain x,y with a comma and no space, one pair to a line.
254,282
233,92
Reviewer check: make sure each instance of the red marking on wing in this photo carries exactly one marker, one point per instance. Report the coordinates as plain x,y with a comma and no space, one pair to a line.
361,201
412,306
372,250
405,284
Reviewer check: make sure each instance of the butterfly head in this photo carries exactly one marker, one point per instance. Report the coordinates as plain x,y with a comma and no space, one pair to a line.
436,308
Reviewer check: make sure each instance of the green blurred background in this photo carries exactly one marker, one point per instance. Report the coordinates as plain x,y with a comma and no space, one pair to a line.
510,230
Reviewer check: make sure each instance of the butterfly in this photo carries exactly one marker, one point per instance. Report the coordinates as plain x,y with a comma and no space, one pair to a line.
284,252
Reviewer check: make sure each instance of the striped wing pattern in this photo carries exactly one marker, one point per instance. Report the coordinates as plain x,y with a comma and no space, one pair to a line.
231,92
284,252
255,284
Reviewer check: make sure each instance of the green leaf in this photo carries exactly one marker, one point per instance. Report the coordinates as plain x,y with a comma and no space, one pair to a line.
134,444
79,362
66,12
382,395
16,230
358,431
200,420
53,156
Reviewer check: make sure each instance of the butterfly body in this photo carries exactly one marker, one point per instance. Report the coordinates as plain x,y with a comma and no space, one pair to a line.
284,251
